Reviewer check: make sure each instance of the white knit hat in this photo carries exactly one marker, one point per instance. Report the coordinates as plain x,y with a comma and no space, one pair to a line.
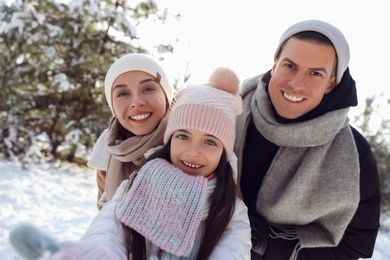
332,33
140,62
211,108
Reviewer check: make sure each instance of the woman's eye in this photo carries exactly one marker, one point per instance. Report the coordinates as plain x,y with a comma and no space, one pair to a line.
121,94
149,89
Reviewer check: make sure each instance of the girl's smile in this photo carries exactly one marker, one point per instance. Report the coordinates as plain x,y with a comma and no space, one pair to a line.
195,152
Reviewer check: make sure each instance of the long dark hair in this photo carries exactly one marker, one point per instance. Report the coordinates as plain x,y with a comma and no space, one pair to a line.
221,211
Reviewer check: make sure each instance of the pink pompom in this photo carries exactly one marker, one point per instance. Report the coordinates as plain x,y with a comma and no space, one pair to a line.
225,79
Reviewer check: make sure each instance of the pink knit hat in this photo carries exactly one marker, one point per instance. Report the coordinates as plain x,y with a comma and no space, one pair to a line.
211,108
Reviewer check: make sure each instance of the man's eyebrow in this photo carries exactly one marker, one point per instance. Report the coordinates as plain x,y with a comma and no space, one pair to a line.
312,69
320,69
289,60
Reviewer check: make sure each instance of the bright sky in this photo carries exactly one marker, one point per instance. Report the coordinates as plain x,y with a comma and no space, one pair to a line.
243,35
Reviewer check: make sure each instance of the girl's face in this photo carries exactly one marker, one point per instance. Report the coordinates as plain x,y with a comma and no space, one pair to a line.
138,101
195,152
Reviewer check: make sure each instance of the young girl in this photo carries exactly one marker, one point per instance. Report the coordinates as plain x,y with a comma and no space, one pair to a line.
139,95
181,203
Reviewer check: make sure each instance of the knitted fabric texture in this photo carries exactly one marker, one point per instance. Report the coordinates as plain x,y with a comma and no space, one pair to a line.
311,190
332,33
133,62
195,250
201,229
165,205
129,150
210,108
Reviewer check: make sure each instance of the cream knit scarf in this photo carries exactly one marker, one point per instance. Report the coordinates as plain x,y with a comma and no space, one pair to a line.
311,190
128,151
167,207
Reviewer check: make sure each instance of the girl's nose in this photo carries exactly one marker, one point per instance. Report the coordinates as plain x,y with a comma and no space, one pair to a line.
193,150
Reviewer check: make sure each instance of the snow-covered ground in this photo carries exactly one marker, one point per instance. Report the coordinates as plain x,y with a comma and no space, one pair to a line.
58,200
61,200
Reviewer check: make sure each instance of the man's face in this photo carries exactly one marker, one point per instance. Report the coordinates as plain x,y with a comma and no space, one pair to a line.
301,76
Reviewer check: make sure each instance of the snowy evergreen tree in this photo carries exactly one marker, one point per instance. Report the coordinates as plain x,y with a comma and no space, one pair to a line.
379,139
54,56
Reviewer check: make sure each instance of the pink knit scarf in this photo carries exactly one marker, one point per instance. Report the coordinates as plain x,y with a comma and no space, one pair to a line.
166,206
129,150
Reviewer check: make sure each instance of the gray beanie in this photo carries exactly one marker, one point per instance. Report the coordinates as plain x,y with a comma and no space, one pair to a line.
140,62
332,33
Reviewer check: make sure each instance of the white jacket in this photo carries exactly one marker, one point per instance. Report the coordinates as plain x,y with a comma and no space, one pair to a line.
106,231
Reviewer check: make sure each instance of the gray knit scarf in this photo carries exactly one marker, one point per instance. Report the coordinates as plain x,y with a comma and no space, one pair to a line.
311,190
127,151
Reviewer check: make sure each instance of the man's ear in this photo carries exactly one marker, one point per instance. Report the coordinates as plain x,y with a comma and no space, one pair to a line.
331,85
274,66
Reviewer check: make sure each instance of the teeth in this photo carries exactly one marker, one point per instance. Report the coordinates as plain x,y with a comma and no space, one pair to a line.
292,98
140,117
192,165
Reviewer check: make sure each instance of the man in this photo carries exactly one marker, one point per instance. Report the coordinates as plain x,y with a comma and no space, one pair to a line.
309,179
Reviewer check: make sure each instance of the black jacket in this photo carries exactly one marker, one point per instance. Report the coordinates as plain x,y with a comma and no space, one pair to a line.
360,235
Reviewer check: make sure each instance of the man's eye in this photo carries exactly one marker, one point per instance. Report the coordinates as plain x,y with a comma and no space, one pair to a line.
316,73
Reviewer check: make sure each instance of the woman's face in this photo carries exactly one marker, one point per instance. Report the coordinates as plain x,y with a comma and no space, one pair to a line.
195,152
138,101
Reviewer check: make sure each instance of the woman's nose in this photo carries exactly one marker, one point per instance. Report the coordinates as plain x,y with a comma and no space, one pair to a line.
137,101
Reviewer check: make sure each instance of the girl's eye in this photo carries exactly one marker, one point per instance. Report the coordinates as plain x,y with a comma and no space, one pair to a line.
211,142
181,137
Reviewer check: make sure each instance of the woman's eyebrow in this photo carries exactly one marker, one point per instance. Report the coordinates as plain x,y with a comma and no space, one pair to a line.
119,86
141,82
147,80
